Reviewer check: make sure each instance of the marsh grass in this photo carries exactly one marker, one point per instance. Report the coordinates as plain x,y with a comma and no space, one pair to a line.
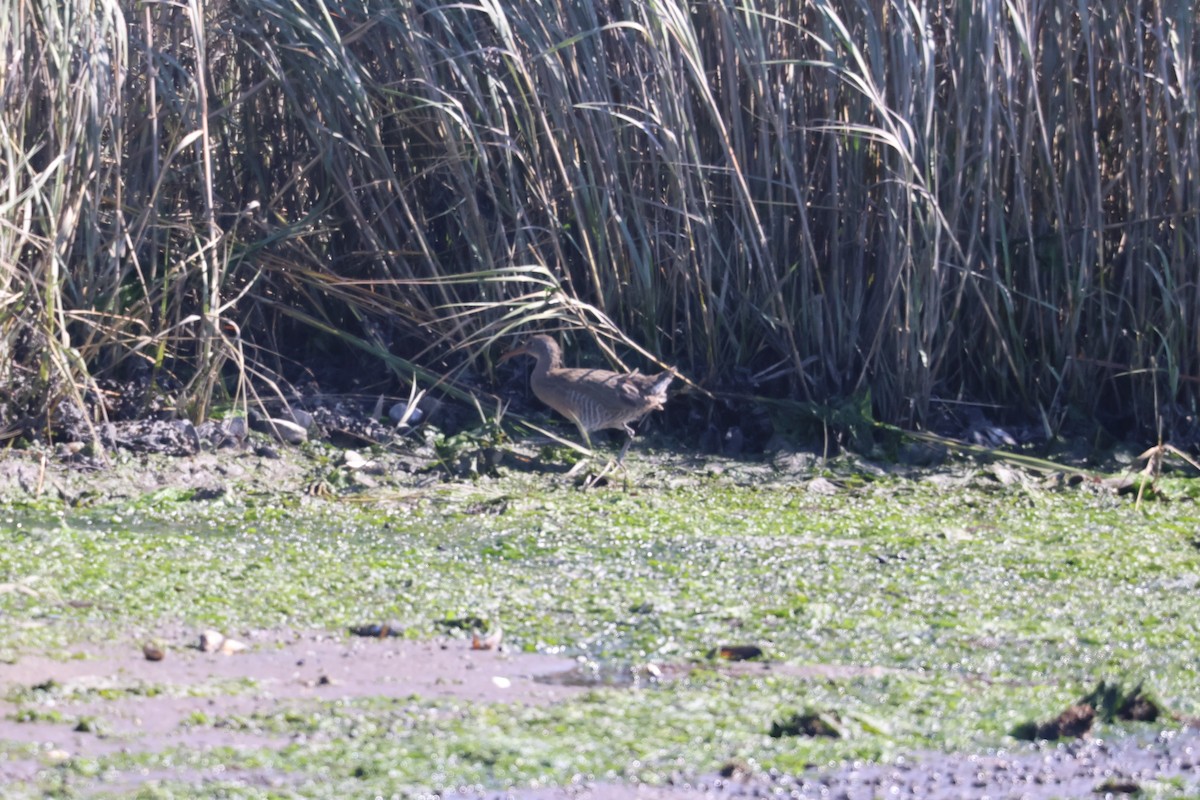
918,203
948,612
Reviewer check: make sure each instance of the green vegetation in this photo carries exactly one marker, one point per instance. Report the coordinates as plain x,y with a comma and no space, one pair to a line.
807,200
996,584
645,735
957,614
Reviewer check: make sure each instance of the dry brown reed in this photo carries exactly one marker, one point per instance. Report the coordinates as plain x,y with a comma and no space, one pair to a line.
928,202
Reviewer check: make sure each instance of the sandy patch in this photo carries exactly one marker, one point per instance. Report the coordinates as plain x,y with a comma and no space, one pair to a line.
109,684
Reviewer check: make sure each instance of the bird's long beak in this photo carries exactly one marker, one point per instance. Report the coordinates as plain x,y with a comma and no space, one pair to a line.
516,351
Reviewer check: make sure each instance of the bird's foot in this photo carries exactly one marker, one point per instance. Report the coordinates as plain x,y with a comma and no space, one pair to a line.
601,478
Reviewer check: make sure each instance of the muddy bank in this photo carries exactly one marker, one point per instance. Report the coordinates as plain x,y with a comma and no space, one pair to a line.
96,700
931,614
1149,764
110,699
27,476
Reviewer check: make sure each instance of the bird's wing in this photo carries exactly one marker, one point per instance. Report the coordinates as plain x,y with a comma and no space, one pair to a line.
630,389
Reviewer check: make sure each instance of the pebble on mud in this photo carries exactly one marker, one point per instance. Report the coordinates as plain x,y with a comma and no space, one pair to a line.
154,651
354,460
401,414
231,647
211,641
286,431
216,642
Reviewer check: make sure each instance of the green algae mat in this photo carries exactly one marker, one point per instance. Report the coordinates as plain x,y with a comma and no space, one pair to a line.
879,617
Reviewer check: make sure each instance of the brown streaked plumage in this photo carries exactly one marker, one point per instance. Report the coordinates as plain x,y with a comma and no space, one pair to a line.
593,399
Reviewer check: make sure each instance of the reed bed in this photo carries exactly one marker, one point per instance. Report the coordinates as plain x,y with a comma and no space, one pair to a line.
923,204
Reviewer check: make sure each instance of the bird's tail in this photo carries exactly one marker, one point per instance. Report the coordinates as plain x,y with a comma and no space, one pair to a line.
662,382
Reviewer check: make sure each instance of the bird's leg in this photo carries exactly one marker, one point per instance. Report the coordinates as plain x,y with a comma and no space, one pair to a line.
628,441
625,449
599,476
611,465
587,442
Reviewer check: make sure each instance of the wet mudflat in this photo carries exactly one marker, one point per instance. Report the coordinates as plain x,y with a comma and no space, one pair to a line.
899,630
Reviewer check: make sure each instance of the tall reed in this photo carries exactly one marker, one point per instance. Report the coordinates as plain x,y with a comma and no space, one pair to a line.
930,202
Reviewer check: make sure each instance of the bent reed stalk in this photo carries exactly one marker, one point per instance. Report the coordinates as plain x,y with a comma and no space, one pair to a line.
921,203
